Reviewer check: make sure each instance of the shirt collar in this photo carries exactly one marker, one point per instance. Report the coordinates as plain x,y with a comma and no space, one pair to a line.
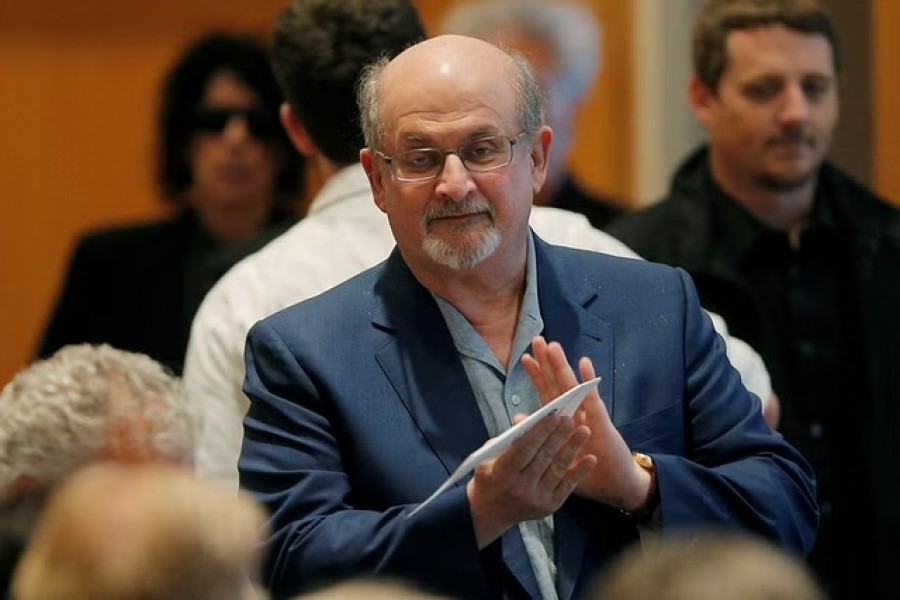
740,233
348,182
530,322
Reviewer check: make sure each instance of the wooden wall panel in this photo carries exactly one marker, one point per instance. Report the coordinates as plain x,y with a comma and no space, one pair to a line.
886,87
78,109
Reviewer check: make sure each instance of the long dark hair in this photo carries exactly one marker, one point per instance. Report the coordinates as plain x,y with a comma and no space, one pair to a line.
248,59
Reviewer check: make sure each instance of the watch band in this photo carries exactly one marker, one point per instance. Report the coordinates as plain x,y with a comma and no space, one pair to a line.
645,512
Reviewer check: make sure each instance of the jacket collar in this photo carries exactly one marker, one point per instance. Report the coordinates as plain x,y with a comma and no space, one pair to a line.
841,207
422,364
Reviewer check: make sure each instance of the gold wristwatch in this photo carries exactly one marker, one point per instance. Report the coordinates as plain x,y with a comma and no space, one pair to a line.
643,513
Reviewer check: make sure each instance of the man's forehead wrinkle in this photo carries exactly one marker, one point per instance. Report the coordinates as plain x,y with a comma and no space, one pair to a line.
416,90
404,116
451,56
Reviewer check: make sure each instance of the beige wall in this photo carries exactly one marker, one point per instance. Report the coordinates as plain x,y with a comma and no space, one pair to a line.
77,115
78,105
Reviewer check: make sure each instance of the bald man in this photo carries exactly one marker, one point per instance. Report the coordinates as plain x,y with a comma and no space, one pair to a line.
365,398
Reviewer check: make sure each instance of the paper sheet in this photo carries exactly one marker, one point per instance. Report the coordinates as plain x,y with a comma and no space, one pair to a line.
566,405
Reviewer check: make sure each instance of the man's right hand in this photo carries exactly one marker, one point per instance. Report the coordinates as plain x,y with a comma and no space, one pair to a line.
531,479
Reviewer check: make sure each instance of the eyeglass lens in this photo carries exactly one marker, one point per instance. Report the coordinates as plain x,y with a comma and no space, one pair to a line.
214,120
483,154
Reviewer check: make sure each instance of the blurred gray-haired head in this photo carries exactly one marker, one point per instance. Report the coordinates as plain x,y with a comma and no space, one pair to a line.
84,404
567,30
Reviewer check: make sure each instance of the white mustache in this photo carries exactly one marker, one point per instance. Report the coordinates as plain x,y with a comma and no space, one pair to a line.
443,210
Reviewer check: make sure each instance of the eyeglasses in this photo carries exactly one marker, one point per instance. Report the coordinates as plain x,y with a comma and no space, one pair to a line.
478,156
261,124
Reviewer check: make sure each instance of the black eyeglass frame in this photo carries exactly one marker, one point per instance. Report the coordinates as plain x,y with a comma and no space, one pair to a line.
215,120
389,159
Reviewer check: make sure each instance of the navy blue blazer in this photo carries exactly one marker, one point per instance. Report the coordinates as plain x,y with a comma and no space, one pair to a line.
360,408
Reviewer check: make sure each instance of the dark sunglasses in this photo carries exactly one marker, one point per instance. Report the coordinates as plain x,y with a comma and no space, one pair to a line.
214,120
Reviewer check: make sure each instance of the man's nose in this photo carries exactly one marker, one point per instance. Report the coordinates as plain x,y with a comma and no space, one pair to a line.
237,129
795,105
455,182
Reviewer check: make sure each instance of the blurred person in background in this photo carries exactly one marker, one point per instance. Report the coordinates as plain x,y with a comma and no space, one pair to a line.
226,165
563,41
800,260
84,404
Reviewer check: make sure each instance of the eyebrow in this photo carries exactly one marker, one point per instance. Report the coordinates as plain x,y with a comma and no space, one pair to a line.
422,140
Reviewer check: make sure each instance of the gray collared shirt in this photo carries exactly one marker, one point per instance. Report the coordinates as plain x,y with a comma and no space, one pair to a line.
503,393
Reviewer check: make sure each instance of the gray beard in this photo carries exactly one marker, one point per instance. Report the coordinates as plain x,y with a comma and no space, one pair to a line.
458,259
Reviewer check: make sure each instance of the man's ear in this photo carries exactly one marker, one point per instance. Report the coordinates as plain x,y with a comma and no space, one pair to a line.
541,144
296,131
702,99
369,162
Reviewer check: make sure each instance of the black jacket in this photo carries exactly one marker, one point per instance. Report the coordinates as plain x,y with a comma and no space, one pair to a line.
852,431
137,287
598,210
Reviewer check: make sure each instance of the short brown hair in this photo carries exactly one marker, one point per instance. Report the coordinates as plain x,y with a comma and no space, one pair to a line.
718,18
320,48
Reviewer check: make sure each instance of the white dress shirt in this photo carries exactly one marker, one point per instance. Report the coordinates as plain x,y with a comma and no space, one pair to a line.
343,234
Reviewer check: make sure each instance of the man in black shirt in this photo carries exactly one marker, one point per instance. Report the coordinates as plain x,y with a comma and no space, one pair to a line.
801,261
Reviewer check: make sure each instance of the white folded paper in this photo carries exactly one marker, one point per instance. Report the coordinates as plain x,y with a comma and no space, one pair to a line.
566,405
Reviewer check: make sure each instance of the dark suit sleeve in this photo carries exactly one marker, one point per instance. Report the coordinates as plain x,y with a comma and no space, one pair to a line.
73,318
736,471
292,461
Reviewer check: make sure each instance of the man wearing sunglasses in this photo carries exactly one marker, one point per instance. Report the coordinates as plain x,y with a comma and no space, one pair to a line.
226,165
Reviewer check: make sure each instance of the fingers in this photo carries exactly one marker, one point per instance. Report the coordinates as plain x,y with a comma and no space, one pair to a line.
544,438
592,401
548,453
532,365
550,371
574,476
557,466
531,479
562,372
586,368
558,469
553,450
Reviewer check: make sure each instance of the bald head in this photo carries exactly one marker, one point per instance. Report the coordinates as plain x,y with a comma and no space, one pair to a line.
455,58
454,65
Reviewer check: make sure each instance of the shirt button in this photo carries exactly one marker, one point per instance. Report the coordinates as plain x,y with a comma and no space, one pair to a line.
807,348
515,400
816,430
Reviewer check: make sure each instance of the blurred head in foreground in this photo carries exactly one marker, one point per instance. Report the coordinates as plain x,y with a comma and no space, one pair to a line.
142,532
712,566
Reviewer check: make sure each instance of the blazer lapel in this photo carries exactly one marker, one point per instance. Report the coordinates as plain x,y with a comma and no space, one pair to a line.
564,298
422,364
